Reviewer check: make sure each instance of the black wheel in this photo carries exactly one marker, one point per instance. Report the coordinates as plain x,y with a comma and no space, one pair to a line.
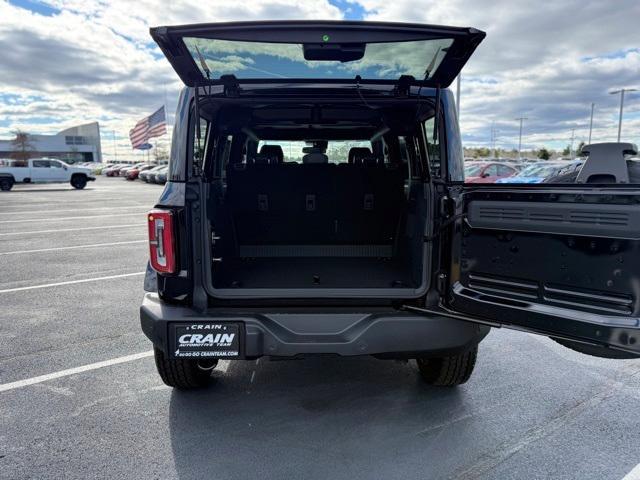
448,371
184,374
79,181
6,184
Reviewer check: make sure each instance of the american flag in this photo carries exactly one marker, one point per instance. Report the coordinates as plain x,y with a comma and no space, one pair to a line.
154,125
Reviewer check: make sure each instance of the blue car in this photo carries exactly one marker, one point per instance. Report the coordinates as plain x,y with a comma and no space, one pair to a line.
537,173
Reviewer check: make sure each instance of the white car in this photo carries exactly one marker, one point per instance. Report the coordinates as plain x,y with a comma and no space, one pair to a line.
43,170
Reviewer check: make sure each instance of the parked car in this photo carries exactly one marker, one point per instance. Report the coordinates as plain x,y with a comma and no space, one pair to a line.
319,216
538,172
133,173
161,176
144,175
43,170
157,175
123,171
113,170
477,172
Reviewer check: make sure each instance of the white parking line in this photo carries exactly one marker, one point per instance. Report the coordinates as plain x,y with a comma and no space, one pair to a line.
72,371
72,247
75,210
73,229
51,219
70,282
633,474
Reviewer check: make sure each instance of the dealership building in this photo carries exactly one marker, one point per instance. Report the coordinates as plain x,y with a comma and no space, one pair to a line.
75,144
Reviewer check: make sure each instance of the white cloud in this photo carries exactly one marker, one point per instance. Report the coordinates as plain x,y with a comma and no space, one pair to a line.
534,54
94,60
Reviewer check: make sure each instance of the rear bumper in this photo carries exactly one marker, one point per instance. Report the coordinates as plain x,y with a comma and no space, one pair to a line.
393,333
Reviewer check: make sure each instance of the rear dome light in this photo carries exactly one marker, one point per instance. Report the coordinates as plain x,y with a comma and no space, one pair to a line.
162,249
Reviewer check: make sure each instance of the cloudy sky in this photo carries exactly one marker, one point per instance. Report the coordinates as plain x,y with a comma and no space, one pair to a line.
66,62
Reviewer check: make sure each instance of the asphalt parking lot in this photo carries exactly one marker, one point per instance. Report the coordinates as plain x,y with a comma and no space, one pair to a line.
71,266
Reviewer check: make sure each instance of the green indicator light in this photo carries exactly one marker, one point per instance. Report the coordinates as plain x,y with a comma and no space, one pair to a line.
325,38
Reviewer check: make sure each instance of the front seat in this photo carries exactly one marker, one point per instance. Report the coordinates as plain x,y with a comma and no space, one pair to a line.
273,151
356,154
315,157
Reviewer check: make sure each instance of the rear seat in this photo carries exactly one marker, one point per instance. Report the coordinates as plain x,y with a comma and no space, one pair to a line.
315,203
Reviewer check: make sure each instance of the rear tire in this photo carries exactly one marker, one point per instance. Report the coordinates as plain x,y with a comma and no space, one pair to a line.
183,374
448,371
6,184
78,182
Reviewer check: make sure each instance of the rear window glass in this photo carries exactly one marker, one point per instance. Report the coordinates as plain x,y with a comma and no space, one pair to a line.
286,60
337,151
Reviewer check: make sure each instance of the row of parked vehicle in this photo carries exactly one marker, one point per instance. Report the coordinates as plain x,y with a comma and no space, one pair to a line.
143,171
542,171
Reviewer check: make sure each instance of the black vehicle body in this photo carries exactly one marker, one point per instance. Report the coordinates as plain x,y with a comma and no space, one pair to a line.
427,277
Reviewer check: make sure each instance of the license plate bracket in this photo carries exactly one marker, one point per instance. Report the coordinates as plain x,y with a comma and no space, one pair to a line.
206,340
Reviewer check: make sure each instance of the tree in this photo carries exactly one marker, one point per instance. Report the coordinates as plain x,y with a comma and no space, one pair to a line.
567,151
483,152
160,154
579,150
544,154
23,149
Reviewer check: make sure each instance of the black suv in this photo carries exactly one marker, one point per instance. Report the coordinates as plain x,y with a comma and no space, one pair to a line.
315,205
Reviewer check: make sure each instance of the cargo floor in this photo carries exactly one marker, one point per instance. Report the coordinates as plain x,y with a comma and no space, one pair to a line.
305,272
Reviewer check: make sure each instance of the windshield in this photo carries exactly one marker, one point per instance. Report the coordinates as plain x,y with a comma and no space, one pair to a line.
472,170
287,60
532,170
539,171
337,151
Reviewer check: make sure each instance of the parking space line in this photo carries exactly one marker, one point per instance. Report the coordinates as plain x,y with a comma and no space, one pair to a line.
74,210
74,229
51,219
38,250
72,371
633,474
70,282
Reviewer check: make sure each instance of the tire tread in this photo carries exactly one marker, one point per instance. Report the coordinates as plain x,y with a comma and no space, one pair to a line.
180,373
448,371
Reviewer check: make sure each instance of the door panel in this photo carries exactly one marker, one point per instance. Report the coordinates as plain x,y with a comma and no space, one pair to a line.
560,262
58,173
41,171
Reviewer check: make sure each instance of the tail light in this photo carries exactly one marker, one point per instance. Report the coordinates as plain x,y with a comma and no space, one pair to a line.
162,245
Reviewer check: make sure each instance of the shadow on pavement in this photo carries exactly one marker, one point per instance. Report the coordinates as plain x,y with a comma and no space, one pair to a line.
312,418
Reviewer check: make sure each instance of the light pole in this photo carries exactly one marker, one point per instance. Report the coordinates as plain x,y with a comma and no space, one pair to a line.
520,138
621,92
591,123
115,147
494,137
573,136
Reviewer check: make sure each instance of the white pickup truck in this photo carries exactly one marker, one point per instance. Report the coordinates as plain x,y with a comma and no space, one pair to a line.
42,170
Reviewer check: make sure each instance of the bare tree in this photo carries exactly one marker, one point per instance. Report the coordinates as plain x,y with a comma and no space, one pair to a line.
23,149
160,154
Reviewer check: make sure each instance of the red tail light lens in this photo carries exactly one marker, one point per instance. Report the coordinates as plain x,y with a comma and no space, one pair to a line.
162,245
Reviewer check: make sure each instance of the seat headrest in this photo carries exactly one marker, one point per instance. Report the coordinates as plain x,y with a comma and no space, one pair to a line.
263,159
273,151
315,157
371,160
357,153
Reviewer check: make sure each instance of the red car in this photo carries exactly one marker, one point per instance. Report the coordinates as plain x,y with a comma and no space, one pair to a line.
487,172
133,173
